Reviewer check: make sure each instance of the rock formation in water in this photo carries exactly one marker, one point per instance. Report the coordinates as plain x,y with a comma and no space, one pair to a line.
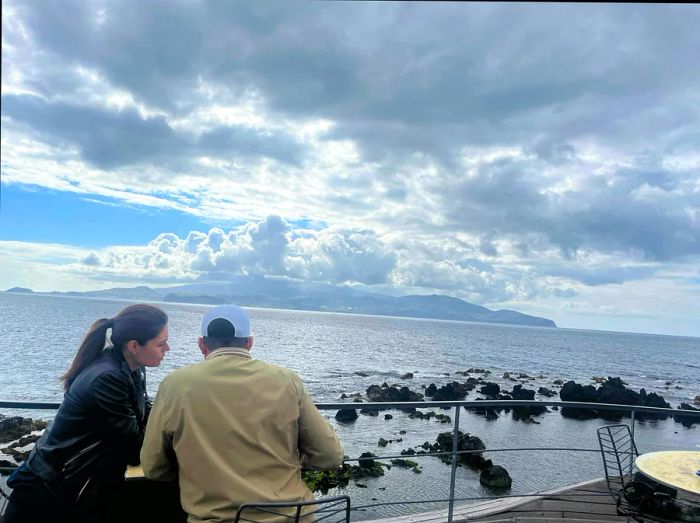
15,427
386,393
685,419
613,391
495,477
346,415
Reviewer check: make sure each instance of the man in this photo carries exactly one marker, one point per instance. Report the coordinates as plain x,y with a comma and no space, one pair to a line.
234,429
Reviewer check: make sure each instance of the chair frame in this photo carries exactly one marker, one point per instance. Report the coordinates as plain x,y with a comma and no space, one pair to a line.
619,451
325,505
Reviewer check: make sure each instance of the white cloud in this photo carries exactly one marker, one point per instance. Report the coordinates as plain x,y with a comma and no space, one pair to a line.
426,167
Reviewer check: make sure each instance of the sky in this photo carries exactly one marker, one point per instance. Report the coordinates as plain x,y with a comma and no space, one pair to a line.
538,157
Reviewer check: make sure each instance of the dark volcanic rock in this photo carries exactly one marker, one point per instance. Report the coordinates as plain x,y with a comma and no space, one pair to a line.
365,460
447,393
442,418
490,389
15,427
346,415
491,415
432,389
466,442
612,391
385,393
369,412
519,393
524,413
407,376
26,440
388,416
572,391
652,400
495,477
407,464
544,391
687,420
452,392
18,455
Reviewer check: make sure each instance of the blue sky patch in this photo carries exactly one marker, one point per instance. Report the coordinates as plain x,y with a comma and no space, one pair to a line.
35,214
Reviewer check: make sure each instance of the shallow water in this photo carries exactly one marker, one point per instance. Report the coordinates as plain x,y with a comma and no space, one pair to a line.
39,335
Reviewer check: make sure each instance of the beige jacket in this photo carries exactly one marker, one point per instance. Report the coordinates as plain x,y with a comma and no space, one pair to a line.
240,431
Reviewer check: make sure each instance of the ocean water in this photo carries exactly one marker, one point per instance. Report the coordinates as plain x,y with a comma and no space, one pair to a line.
333,353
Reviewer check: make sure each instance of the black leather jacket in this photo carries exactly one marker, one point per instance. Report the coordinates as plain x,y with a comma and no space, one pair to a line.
97,431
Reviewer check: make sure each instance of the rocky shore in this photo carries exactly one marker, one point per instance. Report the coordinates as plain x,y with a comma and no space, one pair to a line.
17,438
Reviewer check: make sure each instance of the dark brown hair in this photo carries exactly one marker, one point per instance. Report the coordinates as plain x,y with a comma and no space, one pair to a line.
138,322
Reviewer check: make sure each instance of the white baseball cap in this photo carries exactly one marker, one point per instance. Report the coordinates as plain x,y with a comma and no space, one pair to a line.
226,321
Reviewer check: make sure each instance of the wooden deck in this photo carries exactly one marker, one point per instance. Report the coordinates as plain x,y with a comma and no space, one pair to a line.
584,503
580,503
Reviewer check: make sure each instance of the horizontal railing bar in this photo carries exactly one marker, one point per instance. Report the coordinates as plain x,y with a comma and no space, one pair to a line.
29,405
449,453
503,403
480,498
33,405
437,454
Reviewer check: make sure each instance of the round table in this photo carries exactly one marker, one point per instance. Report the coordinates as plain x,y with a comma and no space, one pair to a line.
673,468
134,472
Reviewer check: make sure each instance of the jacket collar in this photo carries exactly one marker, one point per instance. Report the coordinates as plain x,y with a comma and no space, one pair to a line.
233,351
124,366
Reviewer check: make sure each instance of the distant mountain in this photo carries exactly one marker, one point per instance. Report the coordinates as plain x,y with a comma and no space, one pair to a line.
23,290
281,294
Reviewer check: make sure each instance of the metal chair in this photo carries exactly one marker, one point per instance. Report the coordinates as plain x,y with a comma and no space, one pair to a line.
330,510
633,498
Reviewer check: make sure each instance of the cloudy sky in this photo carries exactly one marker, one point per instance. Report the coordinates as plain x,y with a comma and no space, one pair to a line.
541,157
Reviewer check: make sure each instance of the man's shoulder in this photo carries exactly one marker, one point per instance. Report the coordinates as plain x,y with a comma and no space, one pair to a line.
278,369
183,374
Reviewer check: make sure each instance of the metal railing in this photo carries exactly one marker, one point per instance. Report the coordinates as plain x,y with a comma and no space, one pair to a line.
455,453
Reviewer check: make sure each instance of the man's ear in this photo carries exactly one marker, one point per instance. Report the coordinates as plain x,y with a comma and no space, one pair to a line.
202,347
249,343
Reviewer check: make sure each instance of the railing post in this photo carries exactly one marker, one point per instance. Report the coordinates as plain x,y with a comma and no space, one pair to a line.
632,423
453,474
634,444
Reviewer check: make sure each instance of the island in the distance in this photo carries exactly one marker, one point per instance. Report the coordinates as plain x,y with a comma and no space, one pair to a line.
262,292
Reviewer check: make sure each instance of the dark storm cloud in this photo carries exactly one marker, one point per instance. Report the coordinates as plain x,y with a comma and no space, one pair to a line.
403,64
111,139
404,80
640,210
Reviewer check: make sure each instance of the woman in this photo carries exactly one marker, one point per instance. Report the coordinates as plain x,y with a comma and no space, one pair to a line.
99,427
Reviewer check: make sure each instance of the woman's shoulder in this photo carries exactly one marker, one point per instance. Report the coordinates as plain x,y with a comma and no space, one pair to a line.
107,364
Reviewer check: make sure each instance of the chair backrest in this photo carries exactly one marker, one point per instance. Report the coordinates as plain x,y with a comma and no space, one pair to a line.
334,509
619,452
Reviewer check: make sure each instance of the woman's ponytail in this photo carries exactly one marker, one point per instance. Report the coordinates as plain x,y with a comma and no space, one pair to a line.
92,346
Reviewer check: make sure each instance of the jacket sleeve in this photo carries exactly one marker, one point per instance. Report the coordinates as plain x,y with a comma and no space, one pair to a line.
319,446
114,414
157,456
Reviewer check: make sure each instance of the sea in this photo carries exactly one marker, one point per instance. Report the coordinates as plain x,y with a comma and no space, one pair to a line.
339,354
